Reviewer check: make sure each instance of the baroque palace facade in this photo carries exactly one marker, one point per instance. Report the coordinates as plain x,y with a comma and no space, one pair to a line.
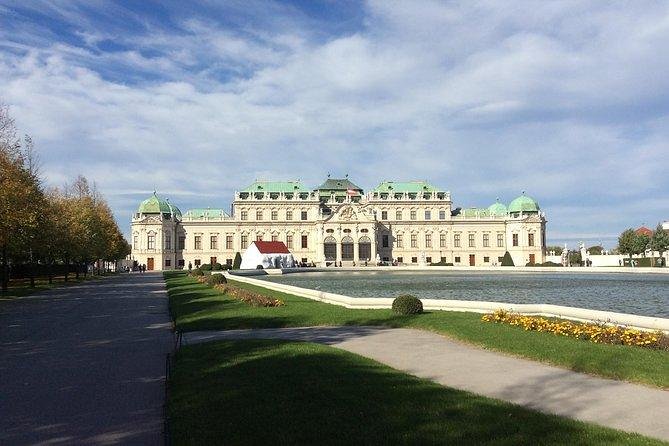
411,223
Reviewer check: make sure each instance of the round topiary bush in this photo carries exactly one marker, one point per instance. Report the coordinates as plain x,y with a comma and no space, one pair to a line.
407,304
259,267
216,279
205,267
216,267
197,272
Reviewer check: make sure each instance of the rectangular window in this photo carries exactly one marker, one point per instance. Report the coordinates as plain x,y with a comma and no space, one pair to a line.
258,215
168,262
428,215
275,215
259,237
428,259
443,260
414,241
303,215
289,215
428,241
486,259
245,215
500,240
228,241
442,240
304,241
515,239
212,260
151,242
289,241
213,242
442,215
181,262
457,259
168,241
198,242
414,259
182,242
530,239
135,242
197,262
245,241
275,238
486,240
456,240
472,241
398,240
228,262
413,214
400,260
398,215
384,215
384,241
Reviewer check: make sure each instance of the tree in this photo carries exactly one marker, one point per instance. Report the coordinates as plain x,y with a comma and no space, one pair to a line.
507,260
595,250
574,258
556,249
238,261
631,243
659,241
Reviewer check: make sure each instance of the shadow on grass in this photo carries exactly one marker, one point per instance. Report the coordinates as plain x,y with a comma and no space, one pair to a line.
274,392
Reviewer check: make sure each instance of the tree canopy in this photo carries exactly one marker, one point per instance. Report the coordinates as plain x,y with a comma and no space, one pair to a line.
39,227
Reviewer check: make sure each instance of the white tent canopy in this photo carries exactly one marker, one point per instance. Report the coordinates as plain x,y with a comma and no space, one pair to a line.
267,254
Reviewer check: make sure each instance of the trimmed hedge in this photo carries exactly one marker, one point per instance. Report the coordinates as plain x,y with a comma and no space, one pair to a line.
205,267
197,272
216,267
507,260
407,304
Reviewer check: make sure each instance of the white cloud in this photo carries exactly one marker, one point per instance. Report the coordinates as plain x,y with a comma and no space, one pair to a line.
566,100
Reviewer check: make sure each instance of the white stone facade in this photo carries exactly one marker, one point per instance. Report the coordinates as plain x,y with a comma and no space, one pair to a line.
404,228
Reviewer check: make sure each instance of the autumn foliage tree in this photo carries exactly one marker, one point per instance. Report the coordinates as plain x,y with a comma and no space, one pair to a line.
72,225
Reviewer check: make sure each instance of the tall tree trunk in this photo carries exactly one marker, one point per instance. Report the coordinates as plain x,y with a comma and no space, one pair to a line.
50,272
77,267
32,274
5,269
67,268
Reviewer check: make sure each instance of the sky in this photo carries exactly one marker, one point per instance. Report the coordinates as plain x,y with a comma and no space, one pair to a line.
566,100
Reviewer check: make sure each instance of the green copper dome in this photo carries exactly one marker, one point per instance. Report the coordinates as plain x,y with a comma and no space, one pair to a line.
523,204
497,209
157,205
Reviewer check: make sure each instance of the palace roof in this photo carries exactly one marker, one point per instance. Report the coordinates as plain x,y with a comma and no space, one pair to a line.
523,204
409,187
157,205
205,213
338,184
276,187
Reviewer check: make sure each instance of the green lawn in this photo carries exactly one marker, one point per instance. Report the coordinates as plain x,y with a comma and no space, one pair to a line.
274,393
23,288
196,306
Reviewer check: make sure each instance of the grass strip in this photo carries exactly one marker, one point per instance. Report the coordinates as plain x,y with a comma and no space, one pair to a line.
196,306
277,392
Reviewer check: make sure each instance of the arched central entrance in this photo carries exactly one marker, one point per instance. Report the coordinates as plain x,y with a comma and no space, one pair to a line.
347,248
364,248
330,249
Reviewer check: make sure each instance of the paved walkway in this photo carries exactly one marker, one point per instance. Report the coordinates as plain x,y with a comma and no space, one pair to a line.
615,404
85,364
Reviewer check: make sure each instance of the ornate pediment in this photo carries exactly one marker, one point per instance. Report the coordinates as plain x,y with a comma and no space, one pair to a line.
151,219
350,213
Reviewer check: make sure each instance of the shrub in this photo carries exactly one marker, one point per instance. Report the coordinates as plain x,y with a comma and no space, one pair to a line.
507,260
216,279
407,304
205,267
238,261
216,267
250,297
259,267
196,272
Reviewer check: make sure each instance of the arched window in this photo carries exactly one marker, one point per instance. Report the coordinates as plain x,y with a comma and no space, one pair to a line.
347,248
330,248
364,248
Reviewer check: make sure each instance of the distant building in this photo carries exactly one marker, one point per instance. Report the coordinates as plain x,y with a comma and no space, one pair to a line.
409,223
267,255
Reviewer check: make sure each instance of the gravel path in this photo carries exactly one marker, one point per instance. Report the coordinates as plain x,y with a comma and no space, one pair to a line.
85,364
615,404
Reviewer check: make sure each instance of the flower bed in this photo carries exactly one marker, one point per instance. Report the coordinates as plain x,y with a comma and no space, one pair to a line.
597,333
251,298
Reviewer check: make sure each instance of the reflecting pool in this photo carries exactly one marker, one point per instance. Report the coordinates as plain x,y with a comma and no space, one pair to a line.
642,294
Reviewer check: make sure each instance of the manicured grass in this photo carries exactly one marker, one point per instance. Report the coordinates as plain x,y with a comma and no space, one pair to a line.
274,392
198,307
22,288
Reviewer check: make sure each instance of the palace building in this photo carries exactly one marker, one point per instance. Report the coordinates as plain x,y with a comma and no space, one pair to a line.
410,223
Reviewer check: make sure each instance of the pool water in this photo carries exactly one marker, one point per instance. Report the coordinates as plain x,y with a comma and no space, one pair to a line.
642,294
